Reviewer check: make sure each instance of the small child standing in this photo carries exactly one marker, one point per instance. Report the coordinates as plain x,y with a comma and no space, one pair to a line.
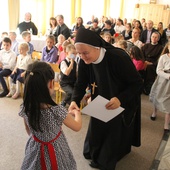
160,91
17,76
7,63
68,72
26,35
47,147
50,52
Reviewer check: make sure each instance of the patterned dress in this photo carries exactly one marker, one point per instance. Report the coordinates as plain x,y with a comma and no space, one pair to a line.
51,122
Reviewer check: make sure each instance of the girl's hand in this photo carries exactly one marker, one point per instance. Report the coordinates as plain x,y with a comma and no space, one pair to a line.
23,74
73,106
113,103
74,112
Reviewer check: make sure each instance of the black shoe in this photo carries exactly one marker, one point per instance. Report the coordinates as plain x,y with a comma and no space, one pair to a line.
166,130
4,93
153,118
94,165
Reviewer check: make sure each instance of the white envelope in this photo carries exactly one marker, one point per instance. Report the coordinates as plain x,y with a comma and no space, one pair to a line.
97,109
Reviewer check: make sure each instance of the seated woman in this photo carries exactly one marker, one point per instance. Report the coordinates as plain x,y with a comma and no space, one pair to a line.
127,33
138,25
50,52
53,27
79,24
162,33
135,37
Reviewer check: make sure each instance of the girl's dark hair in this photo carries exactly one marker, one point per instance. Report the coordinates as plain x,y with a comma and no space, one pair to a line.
136,53
36,91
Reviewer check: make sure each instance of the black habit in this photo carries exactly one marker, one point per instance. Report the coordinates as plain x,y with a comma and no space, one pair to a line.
114,76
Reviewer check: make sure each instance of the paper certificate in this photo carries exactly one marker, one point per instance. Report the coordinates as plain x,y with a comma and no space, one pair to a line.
97,109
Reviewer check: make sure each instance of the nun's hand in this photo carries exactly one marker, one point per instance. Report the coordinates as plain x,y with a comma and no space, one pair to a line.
113,103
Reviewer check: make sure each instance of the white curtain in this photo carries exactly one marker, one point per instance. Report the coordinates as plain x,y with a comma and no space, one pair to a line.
4,16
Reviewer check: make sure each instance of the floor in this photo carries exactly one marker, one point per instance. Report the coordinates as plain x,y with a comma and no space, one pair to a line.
13,139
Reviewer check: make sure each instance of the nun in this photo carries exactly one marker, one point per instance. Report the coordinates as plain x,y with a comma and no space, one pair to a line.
108,71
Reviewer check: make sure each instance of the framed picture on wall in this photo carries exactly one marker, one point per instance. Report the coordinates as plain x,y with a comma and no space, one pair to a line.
152,1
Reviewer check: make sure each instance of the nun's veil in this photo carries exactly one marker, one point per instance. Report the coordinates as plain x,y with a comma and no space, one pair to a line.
91,38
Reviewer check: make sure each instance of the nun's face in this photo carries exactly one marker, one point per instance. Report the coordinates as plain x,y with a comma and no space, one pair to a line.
87,53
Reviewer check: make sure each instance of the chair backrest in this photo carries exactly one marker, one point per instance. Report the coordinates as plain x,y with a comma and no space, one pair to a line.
56,69
36,55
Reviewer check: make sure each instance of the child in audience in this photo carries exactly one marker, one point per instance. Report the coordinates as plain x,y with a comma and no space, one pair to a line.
107,37
68,68
14,46
160,91
61,39
117,37
47,145
17,76
50,52
138,60
26,35
62,55
7,63
123,45
3,35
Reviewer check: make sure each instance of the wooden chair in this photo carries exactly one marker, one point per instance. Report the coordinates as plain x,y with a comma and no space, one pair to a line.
57,87
36,55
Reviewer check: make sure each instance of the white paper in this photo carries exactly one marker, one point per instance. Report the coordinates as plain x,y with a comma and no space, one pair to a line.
97,109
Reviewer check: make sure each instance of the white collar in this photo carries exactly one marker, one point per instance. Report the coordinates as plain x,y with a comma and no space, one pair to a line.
101,56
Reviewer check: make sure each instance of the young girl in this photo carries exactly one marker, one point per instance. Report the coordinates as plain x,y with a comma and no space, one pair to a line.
137,58
160,91
61,39
47,147
50,52
62,55
107,37
17,76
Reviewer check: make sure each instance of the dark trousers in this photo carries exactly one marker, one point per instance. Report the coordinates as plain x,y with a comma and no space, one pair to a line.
4,73
68,88
17,76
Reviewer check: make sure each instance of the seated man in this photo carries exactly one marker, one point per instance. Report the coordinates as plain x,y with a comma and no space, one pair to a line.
61,28
27,25
68,73
151,52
